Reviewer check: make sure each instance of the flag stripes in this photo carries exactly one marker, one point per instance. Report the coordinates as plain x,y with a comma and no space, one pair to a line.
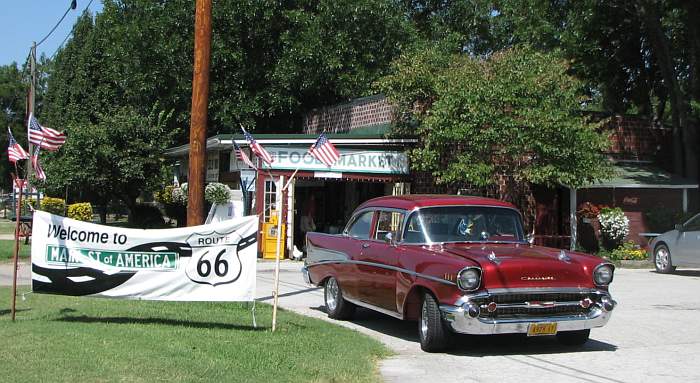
257,148
324,151
240,154
38,170
47,138
14,151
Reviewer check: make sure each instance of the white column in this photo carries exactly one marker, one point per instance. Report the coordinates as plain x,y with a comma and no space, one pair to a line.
685,200
290,217
572,216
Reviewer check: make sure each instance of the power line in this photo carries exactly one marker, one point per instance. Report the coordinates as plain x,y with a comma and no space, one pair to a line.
72,5
69,33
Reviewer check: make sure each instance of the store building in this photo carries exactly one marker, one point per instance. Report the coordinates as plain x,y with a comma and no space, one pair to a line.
371,164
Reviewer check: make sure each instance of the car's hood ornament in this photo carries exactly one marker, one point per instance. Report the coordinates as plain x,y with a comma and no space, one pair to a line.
564,257
493,258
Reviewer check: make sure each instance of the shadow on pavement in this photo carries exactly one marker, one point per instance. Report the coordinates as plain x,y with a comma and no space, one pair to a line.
686,273
473,345
162,321
519,344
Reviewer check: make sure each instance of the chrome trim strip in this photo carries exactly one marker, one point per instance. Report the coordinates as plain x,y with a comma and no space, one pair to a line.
534,305
539,290
394,268
375,308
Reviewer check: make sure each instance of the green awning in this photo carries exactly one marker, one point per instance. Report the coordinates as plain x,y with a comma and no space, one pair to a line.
644,176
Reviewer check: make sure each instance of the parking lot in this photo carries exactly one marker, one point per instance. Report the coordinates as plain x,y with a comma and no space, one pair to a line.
654,335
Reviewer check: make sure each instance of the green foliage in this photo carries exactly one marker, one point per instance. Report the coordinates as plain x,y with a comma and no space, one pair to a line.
53,205
217,193
271,60
514,114
147,216
118,157
626,251
82,211
180,195
165,196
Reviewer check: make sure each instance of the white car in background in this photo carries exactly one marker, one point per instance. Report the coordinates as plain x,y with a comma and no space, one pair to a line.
678,247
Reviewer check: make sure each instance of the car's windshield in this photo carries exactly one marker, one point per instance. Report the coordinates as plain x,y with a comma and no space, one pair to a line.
463,223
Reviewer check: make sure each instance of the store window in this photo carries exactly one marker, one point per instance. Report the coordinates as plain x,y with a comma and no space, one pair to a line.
270,198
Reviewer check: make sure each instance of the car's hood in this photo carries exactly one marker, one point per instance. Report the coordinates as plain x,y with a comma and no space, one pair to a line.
525,266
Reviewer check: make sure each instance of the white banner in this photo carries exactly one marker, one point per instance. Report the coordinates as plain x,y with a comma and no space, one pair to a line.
213,262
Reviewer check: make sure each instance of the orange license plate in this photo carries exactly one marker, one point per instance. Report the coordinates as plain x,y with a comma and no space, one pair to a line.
537,329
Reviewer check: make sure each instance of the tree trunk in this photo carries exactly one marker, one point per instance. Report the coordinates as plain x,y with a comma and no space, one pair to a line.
684,161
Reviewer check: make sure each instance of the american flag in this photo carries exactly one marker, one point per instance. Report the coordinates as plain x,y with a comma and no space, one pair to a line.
240,154
257,148
40,175
14,151
324,151
47,138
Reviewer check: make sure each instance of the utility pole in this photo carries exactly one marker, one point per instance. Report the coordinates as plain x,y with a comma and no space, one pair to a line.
32,100
198,122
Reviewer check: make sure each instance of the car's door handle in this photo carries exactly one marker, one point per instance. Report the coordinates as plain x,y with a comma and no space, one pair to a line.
365,245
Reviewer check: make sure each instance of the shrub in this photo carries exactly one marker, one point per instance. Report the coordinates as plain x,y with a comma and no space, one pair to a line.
180,194
82,211
589,210
53,205
628,251
614,227
165,196
147,216
217,193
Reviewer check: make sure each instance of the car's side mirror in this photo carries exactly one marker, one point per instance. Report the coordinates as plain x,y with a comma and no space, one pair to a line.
530,238
679,227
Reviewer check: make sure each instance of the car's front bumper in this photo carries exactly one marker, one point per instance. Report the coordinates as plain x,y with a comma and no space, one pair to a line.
460,321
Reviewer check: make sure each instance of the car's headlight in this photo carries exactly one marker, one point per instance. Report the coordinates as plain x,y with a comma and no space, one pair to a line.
469,279
603,274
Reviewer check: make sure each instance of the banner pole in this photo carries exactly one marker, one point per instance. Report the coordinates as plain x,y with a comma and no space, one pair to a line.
18,212
277,256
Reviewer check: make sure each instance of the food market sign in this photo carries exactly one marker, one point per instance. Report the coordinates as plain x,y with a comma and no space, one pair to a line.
350,161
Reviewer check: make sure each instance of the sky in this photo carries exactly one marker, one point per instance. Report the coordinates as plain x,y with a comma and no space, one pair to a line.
25,21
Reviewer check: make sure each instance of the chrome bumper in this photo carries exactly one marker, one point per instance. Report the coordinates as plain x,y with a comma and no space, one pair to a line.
459,320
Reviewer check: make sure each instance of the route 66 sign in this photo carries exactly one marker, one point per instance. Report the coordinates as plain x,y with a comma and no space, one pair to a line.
215,259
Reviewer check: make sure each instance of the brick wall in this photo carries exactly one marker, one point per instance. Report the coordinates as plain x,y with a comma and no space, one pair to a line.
637,139
343,118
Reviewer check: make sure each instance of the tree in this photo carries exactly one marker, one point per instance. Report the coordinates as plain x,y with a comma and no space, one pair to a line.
510,120
119,157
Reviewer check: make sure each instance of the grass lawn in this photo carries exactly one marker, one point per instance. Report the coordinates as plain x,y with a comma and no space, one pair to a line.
7,227
7,248
70,339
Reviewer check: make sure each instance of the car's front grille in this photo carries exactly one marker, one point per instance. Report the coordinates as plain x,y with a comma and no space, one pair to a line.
523,305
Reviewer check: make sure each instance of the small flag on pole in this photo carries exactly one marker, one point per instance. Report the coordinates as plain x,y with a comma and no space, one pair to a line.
14,151
240,154
257,148
324,151
47,138
40,175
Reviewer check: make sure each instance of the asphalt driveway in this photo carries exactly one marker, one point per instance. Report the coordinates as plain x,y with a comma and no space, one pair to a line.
653,336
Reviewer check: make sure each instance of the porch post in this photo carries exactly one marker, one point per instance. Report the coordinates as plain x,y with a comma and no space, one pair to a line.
572,216
685,200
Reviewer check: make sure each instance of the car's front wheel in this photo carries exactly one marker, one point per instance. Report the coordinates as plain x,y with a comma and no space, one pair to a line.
434,335
573,338
662,260
336,306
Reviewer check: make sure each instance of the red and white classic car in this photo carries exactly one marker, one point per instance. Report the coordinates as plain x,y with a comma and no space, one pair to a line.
457,264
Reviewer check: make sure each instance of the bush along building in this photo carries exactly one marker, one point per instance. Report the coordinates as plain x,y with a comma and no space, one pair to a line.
374,162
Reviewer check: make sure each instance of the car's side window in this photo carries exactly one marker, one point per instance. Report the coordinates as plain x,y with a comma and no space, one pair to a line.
388,222
361,226
693,225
